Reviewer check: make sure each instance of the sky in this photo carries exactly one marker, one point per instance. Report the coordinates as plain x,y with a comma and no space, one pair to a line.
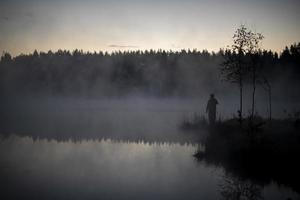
110,25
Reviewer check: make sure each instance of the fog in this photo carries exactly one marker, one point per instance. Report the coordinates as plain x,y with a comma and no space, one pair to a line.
88,126
134,118
131,118
138,95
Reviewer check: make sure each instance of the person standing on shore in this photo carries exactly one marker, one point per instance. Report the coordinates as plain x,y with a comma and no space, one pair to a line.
211,109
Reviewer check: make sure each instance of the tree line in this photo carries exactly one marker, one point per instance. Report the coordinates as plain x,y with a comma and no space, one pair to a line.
158,73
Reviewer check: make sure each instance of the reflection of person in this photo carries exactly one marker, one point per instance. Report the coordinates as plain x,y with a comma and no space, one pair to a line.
211,109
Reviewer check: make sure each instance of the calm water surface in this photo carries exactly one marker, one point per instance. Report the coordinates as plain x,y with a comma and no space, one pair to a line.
105,169
111,150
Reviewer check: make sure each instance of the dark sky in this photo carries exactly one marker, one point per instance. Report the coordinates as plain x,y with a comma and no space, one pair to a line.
93,25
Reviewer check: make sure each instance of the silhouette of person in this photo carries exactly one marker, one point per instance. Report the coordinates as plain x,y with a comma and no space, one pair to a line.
211,109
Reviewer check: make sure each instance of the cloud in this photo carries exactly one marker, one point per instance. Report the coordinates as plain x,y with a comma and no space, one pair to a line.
122,46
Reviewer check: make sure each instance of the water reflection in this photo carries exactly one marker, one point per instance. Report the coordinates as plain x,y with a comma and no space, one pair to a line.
234,188
106,169
111,150
102,170
248,170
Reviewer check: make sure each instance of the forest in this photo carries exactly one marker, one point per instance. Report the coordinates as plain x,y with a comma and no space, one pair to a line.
158,73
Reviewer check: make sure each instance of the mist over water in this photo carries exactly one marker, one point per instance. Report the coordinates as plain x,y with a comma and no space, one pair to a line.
89,148
108,126
128,118
131,118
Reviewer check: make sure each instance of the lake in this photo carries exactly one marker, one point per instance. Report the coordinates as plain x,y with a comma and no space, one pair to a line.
112,150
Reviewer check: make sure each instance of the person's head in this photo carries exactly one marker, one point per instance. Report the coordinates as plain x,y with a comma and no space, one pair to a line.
212,95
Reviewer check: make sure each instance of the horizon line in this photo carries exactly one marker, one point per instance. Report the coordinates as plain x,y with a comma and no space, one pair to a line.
122,50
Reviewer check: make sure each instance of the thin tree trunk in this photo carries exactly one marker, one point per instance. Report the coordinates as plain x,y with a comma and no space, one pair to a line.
270,104
241,88
253,92
241,102
253,102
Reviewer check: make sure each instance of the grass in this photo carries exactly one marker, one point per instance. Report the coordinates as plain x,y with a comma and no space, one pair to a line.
195,122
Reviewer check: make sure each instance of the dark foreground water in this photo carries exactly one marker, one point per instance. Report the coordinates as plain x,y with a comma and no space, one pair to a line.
112,151
114,170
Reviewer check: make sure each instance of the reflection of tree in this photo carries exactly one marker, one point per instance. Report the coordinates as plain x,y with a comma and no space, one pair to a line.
234,188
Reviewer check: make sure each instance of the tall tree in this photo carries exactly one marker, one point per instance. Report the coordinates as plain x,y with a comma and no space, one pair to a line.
253,51
234,67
